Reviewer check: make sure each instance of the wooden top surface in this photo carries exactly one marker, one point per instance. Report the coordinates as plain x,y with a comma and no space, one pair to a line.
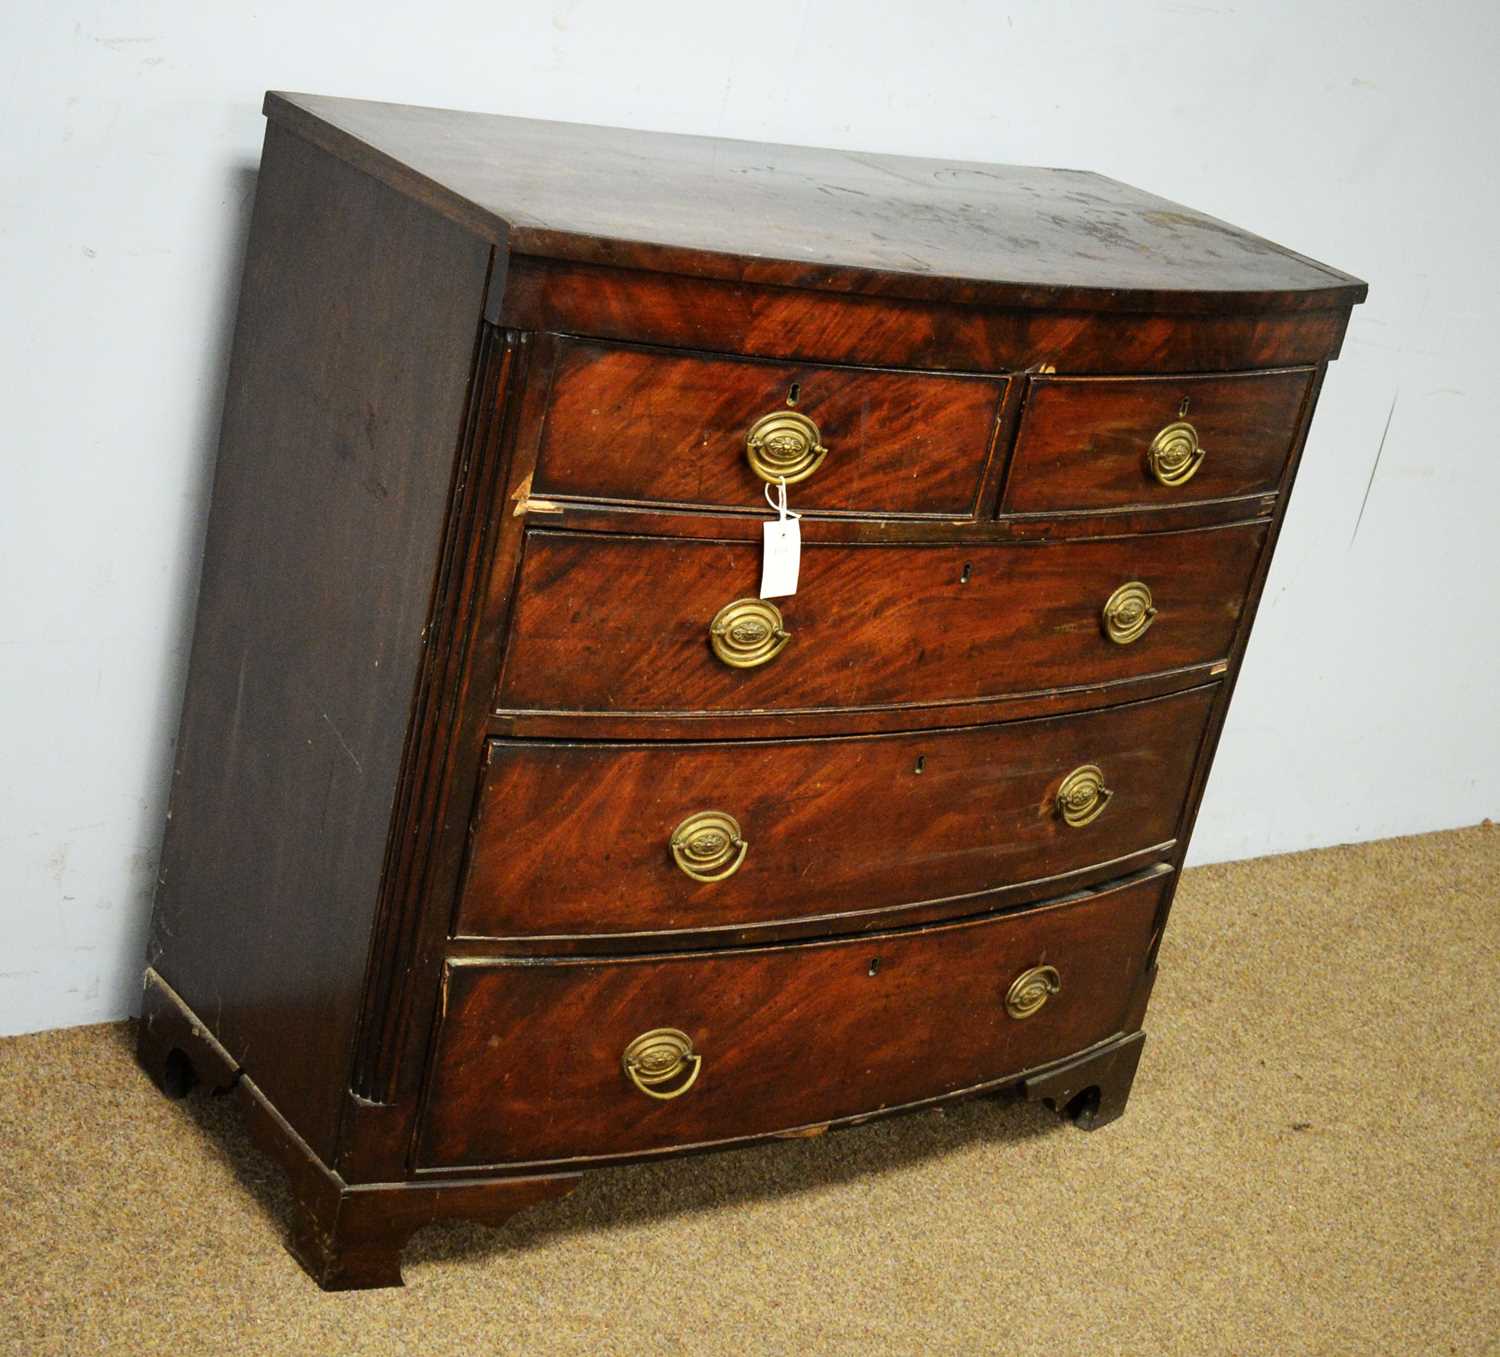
846,221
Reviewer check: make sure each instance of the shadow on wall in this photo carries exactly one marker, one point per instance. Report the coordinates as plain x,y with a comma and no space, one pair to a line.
155,793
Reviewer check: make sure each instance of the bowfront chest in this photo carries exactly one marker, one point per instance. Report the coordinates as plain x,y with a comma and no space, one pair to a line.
513,831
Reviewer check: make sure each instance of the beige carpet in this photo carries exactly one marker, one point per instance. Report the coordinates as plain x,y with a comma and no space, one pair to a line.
1310,1164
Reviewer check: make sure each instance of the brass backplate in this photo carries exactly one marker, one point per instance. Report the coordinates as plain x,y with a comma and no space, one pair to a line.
747,633
784,446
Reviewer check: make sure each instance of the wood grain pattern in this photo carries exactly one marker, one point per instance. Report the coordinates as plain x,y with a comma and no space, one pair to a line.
822,327
836,721
1032,891
527,1065
1083,441
1059,525
425,599
621,624
644,425
835,827
352,358
814,217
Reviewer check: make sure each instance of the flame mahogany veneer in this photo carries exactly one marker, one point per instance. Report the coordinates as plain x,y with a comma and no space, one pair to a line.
482,867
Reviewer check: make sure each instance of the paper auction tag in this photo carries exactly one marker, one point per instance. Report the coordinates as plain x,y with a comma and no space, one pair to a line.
783,553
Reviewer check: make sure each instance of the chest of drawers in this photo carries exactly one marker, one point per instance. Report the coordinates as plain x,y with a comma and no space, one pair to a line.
512,832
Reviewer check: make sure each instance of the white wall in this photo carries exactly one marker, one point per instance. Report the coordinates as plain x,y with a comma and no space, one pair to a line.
1363,135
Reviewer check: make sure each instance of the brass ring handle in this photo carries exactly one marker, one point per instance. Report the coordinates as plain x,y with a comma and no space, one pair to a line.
707,841
1030,990
1082,797
1128,613
1174,455
747,633
658,1057
784,446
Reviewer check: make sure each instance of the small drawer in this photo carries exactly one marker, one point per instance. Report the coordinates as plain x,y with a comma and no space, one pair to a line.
652,625
560,1059
651,426
1099,443
577,839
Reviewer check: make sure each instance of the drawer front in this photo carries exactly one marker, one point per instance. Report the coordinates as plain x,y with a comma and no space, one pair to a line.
621,624
1152,442
643,425
529,1064
580,839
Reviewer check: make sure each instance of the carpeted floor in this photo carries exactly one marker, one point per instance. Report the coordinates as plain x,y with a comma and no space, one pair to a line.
1310,1164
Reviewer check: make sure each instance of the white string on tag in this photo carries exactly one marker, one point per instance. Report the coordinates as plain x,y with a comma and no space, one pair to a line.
778,502
783,552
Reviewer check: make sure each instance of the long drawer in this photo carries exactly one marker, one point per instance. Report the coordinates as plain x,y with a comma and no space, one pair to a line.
628,624
584,1058
575,839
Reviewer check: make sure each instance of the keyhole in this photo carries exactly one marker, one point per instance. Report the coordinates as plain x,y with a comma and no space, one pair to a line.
1183,409
921,763
874,965
968,570
793,393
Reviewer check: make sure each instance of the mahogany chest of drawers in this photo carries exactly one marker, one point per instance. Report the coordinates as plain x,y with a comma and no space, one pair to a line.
513,832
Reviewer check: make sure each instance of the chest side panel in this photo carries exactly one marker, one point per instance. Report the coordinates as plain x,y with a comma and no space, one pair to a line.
346,398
